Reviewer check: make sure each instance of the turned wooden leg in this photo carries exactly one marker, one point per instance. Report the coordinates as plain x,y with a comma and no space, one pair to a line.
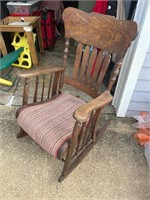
3,46
21,134
30,40
39,36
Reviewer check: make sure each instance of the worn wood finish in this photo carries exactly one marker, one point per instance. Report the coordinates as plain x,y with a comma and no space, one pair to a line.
98,64
49,86
3,48
84,64
91,62
99,30
97,36
77,61
36,89
74,162
51,83
89,69
115,73
102,71
26,92
65,52
81,87
34,22
84,111
38,72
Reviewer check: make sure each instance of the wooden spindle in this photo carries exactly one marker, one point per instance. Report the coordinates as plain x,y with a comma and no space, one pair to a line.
84,63
103,70
95,125
87,130
91,63
36,89
26,91
49,87
79,52
81,136
55,83
115,73
98,64
65,52
71,147
43,87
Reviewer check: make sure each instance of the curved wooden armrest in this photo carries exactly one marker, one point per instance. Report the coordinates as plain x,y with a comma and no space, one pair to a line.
83,112
37,72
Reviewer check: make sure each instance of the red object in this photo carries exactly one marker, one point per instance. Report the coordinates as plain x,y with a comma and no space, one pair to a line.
143,135
18,15
93,68
100,6
48,27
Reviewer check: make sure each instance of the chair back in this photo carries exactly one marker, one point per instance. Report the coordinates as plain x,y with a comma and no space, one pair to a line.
98,37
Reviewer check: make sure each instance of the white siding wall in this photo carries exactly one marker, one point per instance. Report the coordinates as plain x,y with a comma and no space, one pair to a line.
134,59
140,100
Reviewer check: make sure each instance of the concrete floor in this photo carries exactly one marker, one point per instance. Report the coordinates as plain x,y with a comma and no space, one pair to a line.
115,169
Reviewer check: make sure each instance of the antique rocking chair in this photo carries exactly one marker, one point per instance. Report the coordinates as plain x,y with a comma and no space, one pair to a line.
62,124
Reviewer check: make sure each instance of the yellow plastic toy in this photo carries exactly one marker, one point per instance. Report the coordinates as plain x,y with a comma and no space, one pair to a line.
6,61
5,82
20,40
18,58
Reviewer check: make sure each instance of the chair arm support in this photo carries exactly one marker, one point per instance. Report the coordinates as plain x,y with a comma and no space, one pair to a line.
37,72
83,112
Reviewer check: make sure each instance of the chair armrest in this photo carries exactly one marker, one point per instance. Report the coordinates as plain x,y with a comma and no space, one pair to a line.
37,72
46,83
83,112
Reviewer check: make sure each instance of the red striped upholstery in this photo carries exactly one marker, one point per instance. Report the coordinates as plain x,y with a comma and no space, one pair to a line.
50,124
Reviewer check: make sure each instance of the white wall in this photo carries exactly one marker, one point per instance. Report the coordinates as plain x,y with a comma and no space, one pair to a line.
133,62
140,100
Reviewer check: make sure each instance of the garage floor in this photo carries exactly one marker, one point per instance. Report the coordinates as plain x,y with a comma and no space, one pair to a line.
116,169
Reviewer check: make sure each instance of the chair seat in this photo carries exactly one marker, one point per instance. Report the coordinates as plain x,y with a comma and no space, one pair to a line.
51,123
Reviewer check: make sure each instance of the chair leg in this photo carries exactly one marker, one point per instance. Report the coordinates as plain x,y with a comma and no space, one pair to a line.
21,134
77,161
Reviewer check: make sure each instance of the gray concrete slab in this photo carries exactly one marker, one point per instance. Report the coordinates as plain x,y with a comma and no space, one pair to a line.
115,169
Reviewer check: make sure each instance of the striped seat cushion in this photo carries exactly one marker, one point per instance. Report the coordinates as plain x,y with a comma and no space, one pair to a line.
50,124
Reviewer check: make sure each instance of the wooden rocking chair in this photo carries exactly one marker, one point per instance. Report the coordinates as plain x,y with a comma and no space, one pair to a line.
62,124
